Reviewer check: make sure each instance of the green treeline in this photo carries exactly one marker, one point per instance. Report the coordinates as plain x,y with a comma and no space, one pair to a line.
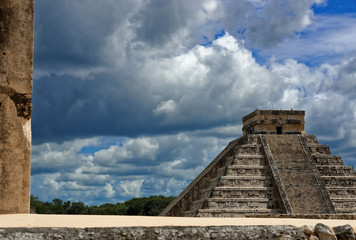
145,206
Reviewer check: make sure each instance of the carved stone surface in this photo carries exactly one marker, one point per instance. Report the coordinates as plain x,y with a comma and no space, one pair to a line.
16,45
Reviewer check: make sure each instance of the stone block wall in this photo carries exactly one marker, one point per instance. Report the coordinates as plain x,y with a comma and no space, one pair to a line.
287,232
266,121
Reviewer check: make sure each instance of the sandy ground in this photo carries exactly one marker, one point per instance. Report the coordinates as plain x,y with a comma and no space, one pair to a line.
81,221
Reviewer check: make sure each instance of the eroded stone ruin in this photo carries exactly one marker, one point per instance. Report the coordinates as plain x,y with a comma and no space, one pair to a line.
273,169
16,43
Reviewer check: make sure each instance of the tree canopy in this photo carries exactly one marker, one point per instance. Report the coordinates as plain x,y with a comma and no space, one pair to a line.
145,206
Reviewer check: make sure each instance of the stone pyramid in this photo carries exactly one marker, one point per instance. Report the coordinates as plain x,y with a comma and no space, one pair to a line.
274,168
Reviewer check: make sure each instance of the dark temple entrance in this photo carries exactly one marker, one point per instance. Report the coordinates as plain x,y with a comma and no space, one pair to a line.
279,129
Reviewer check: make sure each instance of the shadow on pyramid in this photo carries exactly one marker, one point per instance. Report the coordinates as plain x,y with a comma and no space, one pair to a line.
273,169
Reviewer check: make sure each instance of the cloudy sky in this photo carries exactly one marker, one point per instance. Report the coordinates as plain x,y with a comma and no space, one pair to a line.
134,98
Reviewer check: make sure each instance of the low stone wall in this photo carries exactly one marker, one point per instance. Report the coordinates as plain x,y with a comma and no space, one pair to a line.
317,232
149,233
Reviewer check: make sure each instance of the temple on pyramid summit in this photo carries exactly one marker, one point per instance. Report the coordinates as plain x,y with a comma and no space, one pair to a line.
274,169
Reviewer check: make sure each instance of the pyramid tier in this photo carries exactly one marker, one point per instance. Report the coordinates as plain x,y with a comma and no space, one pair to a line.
319,149
246,170
238,203
341,181
249,150
344,203
338,170
249,160
257,181
341,192
345,210
327,160
235,212
242,192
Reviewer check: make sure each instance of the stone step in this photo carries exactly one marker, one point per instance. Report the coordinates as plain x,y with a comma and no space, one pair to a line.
327,160
246,170
344,203
228,203
242,192
249,149
234,212
231,203
249,145
319,149
345,210
341,192
338,170
344,198
248,156
255,160
344,181
253,139
221,199
311,139
243,203
258,181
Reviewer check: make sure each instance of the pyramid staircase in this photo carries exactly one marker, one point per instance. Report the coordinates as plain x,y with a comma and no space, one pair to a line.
242,185
261,174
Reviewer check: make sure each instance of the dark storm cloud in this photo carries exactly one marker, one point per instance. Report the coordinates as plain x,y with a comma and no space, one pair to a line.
68,102
66,106
78,90
68,34
157,20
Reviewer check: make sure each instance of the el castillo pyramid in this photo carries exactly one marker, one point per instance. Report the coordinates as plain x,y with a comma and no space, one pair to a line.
273,169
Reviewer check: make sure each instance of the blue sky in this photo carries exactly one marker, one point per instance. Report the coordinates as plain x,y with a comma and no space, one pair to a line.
135,98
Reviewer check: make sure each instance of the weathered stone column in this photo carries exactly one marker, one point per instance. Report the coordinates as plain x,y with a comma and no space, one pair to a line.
16,50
